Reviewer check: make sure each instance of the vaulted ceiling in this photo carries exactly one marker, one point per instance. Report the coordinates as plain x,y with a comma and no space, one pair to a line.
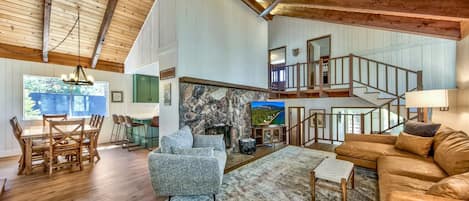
31,29
437,18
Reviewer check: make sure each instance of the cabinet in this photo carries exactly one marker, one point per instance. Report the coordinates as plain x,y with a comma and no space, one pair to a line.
145,89
268,135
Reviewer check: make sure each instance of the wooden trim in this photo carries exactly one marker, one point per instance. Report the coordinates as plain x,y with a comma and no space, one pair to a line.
431,27
168,73
258,8
270,8
35,55
46,29
319,38
111,6
464,29
456,10
220,84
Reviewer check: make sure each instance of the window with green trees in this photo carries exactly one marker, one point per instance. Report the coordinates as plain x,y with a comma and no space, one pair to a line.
49,95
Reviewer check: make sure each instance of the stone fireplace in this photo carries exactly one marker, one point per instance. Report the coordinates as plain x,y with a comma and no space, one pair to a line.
202,107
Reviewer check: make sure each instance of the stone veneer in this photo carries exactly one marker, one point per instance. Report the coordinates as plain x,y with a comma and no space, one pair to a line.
202,106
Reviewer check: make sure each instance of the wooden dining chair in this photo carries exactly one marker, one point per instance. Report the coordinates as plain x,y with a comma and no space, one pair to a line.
38,149
93,120
47,117
93,147
65,140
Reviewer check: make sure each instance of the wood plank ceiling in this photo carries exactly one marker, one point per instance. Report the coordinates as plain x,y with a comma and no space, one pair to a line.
437,18
23,30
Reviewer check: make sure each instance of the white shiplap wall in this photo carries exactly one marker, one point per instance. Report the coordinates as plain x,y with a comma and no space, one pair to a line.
11,98
436,57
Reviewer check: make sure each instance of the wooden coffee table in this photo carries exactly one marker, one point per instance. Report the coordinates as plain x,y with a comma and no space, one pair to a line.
333,170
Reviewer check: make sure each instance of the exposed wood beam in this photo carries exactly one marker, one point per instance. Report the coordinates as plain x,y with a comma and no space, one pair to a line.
258,8
34,55
434,9
45,31
106,22
430,27
270,8
464,29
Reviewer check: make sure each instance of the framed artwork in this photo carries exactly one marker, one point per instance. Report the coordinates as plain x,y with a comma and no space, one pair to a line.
321,118
117,96
167,94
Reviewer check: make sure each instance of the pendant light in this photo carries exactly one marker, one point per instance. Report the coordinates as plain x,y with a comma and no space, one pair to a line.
78,77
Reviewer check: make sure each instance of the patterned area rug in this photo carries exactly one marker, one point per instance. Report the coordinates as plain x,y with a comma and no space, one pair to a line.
284,175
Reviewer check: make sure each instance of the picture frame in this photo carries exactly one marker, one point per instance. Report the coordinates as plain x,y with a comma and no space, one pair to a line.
167,94
321,118
117,96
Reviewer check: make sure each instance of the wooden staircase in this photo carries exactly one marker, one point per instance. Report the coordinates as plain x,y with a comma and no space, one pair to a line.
381,84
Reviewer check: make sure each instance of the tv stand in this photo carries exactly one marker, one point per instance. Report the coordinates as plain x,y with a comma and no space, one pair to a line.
269,135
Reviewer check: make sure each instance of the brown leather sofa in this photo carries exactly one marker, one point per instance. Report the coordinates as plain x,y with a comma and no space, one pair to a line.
405,176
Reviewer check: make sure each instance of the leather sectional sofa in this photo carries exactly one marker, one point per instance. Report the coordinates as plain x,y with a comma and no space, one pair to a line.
405,176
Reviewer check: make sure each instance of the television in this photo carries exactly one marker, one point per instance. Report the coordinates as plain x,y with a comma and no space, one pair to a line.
265,113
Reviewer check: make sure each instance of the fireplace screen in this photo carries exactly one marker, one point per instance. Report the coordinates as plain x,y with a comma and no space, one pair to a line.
221,129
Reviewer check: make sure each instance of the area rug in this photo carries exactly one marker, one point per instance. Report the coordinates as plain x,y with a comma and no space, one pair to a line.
284,175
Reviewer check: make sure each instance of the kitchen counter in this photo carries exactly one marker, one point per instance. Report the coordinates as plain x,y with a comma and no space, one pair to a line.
142,117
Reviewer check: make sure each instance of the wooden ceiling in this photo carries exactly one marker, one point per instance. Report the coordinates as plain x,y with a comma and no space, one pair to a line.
438,18
29,29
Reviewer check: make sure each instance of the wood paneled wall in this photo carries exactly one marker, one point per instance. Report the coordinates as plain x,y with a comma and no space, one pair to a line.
436,57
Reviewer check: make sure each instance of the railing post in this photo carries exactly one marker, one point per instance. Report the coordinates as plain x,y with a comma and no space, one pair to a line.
298,80
316,127
421,112
362,123
321,78
350,75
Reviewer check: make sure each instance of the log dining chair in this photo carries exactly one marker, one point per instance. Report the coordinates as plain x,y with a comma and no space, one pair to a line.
93,120
48,117
65,140
92,148
129,128
38,149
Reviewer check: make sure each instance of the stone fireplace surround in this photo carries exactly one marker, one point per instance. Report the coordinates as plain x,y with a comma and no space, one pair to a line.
204,104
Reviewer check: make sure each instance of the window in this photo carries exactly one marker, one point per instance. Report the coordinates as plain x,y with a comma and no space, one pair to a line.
49,95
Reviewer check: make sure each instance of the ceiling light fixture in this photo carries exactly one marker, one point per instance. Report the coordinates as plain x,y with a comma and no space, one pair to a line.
78,77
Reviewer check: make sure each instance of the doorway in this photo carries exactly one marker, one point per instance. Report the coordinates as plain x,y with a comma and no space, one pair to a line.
277,63
295,116
317,49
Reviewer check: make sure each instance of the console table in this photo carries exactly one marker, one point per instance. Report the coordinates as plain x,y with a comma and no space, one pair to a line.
268,135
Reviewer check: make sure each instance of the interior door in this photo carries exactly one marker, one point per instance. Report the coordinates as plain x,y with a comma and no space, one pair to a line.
295,117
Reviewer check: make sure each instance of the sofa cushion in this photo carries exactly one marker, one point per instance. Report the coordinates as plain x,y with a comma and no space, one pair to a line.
456,187
421,129
414,144
441,135
181,139
370,151
215,141
390,182
421,169
452,154
205,151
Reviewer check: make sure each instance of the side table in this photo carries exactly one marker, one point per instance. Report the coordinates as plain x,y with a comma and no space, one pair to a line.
334,170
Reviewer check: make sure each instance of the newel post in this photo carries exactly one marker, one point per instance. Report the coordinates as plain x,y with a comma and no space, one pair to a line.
350,72
362,123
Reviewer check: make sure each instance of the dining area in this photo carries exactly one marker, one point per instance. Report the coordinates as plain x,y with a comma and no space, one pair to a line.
59,143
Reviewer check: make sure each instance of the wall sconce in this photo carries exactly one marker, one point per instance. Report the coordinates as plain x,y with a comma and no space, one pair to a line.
296,52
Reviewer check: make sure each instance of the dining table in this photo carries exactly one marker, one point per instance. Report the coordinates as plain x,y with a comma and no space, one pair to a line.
42,132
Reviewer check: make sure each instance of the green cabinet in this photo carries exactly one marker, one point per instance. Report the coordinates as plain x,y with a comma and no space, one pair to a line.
146,89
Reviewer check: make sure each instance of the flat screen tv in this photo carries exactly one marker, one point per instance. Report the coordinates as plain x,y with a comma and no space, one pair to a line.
267,113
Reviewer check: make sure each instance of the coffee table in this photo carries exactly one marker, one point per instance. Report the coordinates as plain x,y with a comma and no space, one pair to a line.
333,170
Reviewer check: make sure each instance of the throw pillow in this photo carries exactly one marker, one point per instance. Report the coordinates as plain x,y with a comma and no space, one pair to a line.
452,154
421,129
215,141
206,151
182,139
414,144
456,187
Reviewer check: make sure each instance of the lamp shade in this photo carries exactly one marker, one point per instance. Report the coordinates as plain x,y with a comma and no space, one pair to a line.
427,99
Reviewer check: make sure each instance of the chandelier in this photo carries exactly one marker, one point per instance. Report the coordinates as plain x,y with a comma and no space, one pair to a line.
78,77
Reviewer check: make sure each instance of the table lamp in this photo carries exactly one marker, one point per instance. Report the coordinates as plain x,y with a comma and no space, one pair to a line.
425,100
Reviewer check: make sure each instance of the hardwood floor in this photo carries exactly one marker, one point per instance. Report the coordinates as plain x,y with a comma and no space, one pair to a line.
120,175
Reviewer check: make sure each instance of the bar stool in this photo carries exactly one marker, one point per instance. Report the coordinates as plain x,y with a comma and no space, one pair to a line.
130,125
121,120
155,124
115,127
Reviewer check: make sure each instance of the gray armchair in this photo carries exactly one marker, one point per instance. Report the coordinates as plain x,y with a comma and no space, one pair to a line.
186,173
